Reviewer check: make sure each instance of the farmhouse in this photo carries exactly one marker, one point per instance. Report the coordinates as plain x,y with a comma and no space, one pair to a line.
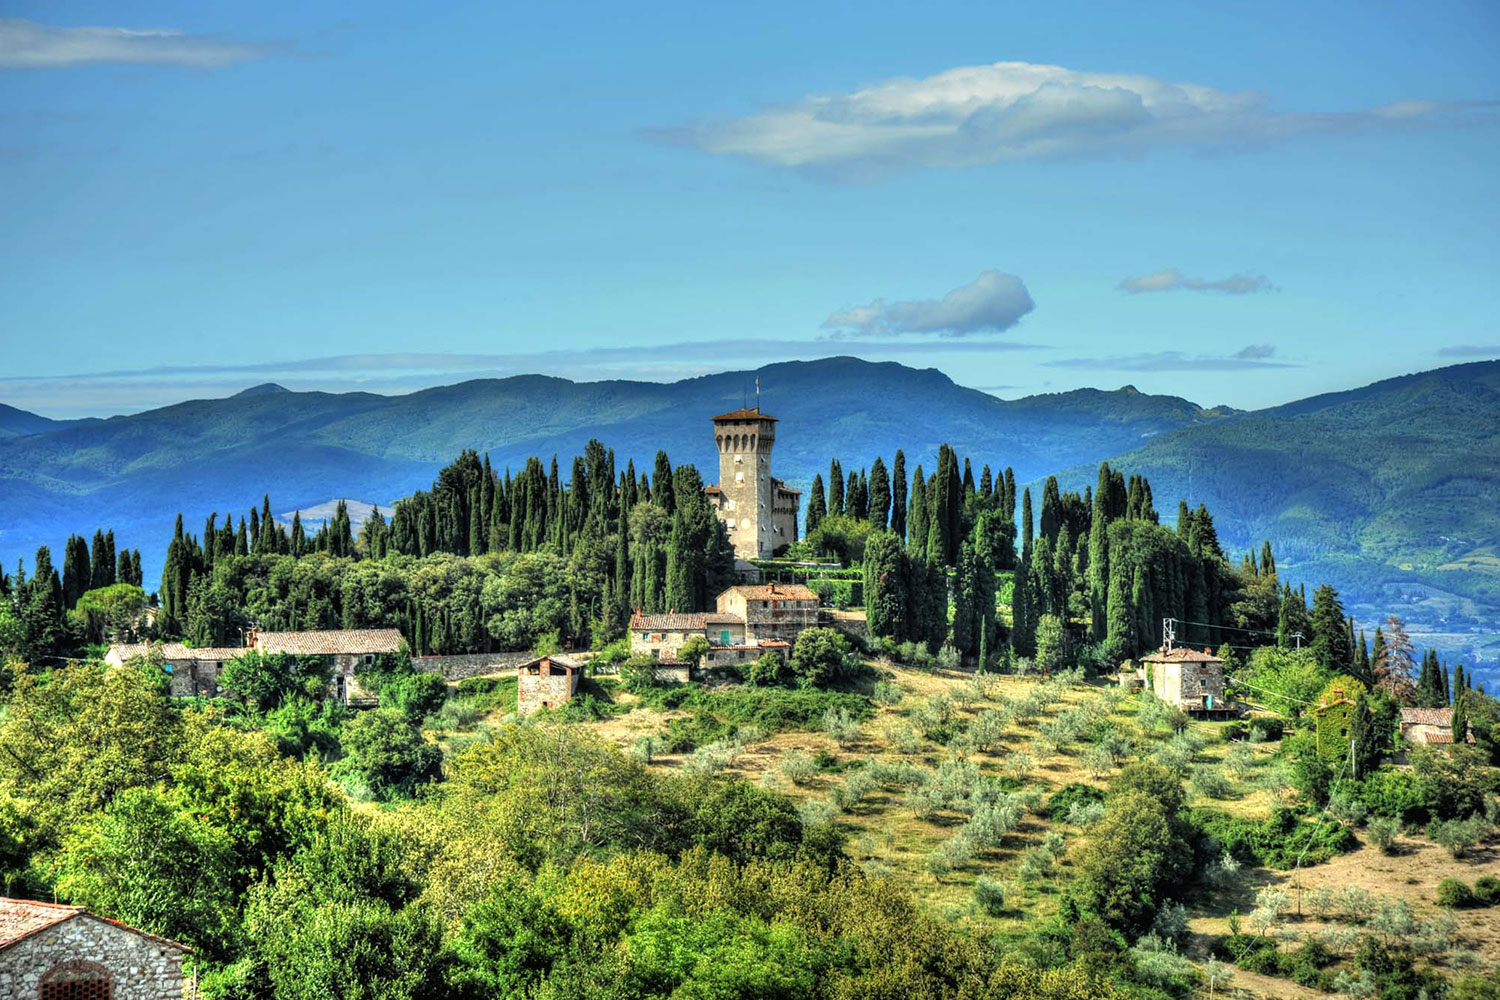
749,622
546,682
196,671
53,952
1428,726
1186,678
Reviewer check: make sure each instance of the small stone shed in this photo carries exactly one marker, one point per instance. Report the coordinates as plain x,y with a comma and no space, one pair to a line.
54,952
1187,679
546,682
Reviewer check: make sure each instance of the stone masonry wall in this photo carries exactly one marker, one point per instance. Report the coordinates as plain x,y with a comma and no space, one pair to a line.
139,967
535,691
459,666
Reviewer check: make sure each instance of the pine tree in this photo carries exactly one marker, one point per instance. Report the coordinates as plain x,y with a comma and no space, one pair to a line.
1396,668
1330,642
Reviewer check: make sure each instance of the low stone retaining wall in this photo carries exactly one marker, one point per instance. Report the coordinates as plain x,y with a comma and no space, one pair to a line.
460,665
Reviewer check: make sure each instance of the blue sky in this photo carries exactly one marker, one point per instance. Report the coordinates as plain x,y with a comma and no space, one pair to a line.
1240,204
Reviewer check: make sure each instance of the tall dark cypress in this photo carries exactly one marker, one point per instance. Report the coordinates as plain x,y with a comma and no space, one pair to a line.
880,495
898,495
77,574
1026,527
916,520
968,481
835,489
817,506
986,482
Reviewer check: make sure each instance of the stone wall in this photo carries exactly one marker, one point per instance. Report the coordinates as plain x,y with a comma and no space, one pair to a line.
85,947
461,665
537,691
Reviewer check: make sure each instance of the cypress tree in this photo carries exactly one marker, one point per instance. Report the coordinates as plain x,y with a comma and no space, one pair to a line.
1010,493
986,483
1026,528
916,526
661,484
953,529
851,496
1362,671
1461,696
835,489
1051,510
817,506
880,495
968,480
1447,691
1098,573
242,539
77,574
898,495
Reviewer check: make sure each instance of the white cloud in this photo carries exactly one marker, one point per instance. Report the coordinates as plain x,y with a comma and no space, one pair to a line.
993,301
28,45
1178,361
1172,280
1022,111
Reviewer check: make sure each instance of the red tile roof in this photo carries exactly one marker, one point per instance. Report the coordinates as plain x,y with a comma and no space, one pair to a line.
1181,655
21,918
669,622
746,414
1427,717
332,642
773,591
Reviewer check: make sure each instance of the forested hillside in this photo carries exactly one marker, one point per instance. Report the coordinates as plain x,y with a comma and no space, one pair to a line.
1392,491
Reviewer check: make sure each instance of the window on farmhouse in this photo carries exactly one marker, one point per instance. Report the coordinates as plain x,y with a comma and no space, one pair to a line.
78,989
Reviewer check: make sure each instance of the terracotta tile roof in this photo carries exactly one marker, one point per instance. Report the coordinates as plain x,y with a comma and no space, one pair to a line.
669,622
1438,738
1181,655
556,660
1427,717
713,490
783,487
773,591
175,651
22,917
332,641
746,414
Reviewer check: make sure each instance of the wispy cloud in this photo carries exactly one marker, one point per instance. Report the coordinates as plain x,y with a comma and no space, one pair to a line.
28,45
992,302
1249,359
1470,351
1173,280
1011,111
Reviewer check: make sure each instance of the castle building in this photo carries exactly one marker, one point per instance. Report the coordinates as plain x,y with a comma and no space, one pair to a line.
758,511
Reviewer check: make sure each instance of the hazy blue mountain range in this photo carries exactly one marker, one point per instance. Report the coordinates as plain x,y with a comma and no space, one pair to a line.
1389,491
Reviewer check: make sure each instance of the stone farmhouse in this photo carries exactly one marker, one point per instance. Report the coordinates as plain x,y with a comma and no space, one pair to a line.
546,682
749,622
759,512
1187,679
345,651
53,952
1428,726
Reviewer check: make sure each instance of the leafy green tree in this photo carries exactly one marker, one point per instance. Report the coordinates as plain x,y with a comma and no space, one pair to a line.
153,865
821,656
262,681
388,754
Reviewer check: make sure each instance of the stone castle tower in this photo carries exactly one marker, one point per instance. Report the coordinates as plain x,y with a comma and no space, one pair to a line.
759,512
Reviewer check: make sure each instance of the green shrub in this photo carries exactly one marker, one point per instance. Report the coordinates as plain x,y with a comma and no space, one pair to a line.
1063,800
1278,841
1382,831
1454,894
1487,890
989,895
